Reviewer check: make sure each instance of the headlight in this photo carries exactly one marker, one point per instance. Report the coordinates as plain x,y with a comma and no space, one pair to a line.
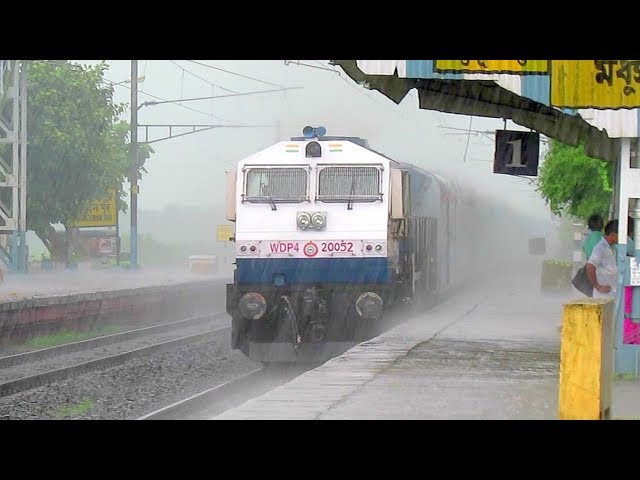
319,220
252,306
304,220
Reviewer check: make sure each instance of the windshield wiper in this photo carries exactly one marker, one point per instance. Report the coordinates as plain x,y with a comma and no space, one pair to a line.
264,190
353,187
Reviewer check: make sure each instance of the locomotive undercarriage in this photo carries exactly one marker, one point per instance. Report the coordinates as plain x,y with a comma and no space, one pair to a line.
305,322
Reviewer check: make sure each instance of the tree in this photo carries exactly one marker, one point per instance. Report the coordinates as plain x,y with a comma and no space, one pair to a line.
78,146
575,184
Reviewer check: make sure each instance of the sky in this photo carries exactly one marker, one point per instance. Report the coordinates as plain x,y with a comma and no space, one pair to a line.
190,170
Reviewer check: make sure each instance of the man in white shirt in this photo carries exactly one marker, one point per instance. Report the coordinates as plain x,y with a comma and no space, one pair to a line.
601,266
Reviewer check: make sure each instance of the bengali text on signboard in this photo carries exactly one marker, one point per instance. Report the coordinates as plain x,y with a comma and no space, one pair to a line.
600,84
515,67
99,213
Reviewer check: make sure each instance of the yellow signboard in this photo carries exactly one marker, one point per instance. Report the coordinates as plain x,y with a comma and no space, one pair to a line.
599,84
99,213
515,67
225,233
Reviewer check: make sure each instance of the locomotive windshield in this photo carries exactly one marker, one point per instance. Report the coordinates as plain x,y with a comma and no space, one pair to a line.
276,184
342,183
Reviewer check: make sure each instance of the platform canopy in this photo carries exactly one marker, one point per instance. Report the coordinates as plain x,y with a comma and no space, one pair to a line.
595,102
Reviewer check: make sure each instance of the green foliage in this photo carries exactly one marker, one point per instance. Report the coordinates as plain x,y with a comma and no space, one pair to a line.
556,275
575,184
74,410
68,336
553,263
78,146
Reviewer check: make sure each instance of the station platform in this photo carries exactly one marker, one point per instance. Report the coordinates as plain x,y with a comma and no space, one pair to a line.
488,352
17,287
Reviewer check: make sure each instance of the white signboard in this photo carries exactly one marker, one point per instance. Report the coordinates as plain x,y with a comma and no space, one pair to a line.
634,272
107,246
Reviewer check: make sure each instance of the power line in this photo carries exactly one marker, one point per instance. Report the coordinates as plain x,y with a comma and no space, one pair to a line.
464,159
201,78
179,105
182,85
234,73
144,74
321,67
324,66
222,96
366,94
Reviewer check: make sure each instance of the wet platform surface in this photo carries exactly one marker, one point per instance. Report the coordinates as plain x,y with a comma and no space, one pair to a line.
488,353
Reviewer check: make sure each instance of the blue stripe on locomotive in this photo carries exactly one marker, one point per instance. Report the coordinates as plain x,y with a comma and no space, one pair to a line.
316,270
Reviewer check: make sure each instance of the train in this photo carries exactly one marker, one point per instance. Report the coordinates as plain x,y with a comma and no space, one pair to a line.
330,235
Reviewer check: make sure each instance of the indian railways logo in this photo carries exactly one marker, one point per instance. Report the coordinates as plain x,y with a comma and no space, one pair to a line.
310,249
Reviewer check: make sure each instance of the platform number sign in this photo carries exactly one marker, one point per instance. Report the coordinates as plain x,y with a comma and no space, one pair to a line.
516,153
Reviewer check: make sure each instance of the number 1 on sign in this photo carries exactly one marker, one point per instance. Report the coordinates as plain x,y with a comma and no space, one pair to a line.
516,152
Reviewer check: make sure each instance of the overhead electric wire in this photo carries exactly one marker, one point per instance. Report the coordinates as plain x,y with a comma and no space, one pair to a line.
201,78
235,73
177,104
464,158
373,99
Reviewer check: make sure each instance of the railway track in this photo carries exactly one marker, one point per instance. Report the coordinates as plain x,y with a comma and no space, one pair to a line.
216,400
103,360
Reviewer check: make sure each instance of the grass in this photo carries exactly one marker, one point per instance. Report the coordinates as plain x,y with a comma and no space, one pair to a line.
68,336
626,376
74,410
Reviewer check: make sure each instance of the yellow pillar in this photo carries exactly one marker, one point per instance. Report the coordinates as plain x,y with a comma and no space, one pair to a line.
586,360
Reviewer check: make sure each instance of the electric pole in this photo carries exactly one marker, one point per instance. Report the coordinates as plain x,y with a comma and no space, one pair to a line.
133,175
